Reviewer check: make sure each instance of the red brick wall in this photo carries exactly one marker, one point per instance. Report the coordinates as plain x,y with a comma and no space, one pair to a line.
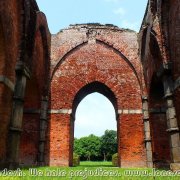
9,43
160,24
5,111
160,139
30,135
35,89
177,102
174,36
59,146
158,124
131,145
111,60
174,39
80,55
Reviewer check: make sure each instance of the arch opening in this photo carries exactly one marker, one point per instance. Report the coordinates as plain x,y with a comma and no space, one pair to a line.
95,114
96,109
91,88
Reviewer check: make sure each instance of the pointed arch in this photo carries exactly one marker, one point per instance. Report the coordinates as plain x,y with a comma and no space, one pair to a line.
95,86
105,44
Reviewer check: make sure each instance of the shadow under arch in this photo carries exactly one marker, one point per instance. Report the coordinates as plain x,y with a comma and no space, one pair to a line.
92,87
158,124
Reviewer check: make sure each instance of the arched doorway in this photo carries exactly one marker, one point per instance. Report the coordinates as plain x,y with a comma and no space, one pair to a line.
94,108
102,91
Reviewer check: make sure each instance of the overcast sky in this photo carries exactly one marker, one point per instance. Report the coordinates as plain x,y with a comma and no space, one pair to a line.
95,113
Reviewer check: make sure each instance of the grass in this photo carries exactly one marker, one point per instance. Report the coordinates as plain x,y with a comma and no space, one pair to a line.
96,164
85,170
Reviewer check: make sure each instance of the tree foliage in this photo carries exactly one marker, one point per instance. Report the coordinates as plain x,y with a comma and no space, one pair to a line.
109,144
88,147
96,148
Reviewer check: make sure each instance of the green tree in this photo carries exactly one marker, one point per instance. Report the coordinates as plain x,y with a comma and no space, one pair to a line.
88,147
109,144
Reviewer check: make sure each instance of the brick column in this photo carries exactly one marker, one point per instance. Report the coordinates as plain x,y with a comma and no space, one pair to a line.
72,120
59,144
147,133
15,128
172,123
43,127
118,138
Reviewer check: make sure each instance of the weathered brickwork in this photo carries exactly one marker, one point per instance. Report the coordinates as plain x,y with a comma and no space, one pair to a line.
84,54
38,85
43,78
174,44
9,41
24,55
159,51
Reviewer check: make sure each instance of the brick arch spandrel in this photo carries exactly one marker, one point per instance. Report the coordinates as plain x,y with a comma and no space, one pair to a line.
96,63
124,41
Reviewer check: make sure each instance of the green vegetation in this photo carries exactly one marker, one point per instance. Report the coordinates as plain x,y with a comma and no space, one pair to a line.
76,160
91,148
89,170
96,164
115,160
88,148
109,144
96,148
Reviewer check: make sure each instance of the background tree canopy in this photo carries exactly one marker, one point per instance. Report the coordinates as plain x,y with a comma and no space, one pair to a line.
96,148
109,144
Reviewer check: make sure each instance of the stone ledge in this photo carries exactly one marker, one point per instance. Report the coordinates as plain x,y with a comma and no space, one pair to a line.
130,111
60,111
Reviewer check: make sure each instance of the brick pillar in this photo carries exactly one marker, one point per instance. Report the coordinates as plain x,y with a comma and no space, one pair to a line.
172,123
15,128
118,138
147,133
43,127
60,126
72,119
131,147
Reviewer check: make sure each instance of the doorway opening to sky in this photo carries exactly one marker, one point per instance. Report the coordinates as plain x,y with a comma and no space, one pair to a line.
95,130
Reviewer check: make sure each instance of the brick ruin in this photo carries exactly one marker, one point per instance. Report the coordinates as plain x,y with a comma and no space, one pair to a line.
44,77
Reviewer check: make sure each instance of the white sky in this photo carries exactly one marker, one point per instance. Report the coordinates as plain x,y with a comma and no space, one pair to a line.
94,115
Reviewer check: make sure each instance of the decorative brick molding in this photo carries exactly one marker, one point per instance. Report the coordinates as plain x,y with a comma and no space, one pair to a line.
60,111
130,111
